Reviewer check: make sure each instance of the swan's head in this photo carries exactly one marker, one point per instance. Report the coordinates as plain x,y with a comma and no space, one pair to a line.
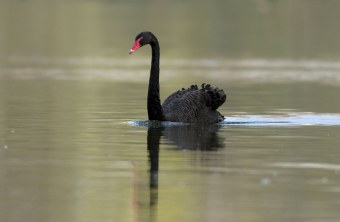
142,39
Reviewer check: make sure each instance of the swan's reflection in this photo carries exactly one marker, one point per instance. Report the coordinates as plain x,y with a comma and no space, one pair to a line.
195,137
190,137
153,140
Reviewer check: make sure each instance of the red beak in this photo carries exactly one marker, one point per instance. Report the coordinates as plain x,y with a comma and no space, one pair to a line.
135,46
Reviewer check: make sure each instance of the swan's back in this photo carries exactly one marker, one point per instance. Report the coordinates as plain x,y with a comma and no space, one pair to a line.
194,105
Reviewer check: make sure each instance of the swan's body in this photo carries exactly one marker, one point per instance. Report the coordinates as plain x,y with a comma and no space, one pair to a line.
192,105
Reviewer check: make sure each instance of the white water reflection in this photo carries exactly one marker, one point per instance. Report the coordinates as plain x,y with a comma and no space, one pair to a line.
294,119
315,166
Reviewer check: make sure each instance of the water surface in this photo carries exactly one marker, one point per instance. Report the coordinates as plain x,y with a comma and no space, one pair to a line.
84,148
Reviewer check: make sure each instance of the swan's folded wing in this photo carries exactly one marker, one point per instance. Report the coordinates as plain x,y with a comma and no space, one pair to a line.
183,105
194,105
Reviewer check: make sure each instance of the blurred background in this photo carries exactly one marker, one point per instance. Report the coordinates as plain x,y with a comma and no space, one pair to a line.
201,29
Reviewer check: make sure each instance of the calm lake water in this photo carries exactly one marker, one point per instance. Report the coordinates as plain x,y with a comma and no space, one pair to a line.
75,144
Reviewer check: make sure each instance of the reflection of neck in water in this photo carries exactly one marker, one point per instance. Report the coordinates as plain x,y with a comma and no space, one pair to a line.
153,140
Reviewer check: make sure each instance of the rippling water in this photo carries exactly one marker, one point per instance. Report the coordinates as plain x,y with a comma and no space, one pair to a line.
292,119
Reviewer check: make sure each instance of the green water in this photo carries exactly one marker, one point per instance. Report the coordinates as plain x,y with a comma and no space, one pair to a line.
74,143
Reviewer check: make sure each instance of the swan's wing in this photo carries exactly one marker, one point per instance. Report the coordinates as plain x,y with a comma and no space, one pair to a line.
193,104
183,106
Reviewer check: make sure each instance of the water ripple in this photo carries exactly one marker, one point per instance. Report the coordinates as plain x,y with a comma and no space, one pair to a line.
322,166
294,119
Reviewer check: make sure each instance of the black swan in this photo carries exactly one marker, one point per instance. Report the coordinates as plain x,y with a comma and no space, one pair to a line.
192,105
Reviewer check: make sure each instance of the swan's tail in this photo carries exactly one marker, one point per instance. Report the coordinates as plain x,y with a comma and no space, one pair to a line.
215,97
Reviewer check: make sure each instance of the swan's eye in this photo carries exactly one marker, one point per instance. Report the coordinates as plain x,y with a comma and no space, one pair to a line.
136,45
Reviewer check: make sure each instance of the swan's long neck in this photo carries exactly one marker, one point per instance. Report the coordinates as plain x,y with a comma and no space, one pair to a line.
155,111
